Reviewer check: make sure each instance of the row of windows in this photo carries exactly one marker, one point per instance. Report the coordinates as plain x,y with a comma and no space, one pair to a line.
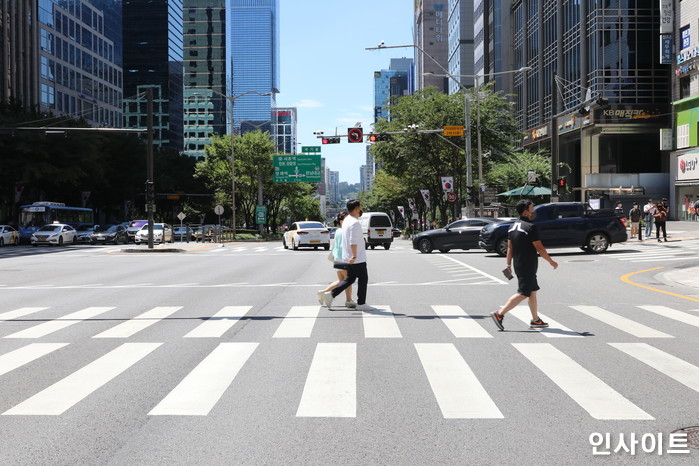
72,79
82,35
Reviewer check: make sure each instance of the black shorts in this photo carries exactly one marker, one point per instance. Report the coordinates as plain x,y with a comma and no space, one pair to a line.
526,284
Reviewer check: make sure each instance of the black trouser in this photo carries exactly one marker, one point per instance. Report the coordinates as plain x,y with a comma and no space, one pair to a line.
658,226
354,271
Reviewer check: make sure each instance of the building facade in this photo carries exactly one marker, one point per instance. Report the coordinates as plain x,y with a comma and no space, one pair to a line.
205,73
460,58
285,130
19,53
253,62
432,36
153,48
391,84
366,172
492,52
333,187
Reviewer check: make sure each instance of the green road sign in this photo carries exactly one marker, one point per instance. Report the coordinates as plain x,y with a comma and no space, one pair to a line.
310,149
261,214
297,168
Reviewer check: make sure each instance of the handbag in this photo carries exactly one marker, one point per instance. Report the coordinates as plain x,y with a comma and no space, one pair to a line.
331,258
340,265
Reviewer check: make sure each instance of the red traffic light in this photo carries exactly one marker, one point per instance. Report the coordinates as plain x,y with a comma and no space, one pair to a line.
330,140
378,137
355,135
561,182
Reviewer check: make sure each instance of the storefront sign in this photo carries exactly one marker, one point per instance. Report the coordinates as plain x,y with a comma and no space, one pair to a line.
634,114
665,49
685,37
571,122
688,54
537,134
688,166
666,17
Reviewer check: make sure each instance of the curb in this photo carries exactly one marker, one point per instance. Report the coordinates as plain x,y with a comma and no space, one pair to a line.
146,251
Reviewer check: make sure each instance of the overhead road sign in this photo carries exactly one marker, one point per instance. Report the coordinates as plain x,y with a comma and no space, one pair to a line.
297,168
453,130
310,149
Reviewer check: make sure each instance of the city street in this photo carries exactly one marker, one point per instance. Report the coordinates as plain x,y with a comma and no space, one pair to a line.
222,355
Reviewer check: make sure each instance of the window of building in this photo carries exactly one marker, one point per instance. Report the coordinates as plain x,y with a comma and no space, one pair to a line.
683,136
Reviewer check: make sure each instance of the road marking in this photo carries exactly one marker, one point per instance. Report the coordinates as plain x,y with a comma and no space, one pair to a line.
21,356
219,323
201,389
65,393
672,366
497,280
626,279
458,392
673,314
298,323
622,323
135,325
331,385
59,323
380,323
460,323
21,312
588,391
555,329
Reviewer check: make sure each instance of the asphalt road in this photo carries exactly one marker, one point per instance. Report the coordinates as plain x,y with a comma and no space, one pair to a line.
223,356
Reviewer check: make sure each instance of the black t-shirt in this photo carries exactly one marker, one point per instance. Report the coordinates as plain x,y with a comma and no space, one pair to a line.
523,233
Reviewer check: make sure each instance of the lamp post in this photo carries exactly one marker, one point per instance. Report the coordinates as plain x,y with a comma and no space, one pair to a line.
231,100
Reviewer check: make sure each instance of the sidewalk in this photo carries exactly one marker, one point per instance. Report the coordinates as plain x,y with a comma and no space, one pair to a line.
676,231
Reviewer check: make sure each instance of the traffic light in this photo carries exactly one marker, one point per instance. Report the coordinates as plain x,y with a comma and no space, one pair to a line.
561,183
378,137
150,192
355,135
331,141
472,194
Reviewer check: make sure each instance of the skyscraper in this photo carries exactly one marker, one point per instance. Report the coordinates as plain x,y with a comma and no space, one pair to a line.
460,24
431,34
492,51
390,84
153,47
19,53
253,63
285,129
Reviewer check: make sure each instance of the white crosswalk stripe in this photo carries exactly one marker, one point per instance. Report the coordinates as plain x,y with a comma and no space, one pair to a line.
21,312
135,325
674,314
672,366
555,329
298,323
459,323
622,323
60,323
220,323
380,323
331,385
26,354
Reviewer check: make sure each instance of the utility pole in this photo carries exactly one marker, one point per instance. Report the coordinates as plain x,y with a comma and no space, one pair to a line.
150,191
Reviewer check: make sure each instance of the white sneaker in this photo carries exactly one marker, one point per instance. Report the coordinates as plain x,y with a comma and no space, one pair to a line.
320,296
350,304
365,308
327,299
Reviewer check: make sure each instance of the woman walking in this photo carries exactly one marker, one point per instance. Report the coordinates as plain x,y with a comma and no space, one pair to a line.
341,274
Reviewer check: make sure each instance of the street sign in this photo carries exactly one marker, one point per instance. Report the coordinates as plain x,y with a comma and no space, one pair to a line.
310,149
260,214
218,210
451,197
297,168
454,131
181,216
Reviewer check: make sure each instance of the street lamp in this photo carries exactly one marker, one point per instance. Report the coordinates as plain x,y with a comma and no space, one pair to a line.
231,100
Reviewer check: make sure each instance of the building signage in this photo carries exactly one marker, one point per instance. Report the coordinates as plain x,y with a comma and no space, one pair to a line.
685,37
688,54
537,134
688,166
571,122
296,168
666,17
634,114
666,49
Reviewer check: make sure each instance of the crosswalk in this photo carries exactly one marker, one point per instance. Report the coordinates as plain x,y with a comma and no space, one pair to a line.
649,251
452,372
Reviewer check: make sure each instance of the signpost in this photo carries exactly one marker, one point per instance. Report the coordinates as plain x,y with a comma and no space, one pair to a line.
182,216
297,168
454,131
218,210
260,214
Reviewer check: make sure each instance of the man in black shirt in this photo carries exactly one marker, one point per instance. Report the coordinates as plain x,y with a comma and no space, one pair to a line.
523,250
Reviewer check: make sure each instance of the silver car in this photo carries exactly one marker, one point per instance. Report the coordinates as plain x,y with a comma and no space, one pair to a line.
162,233
55,233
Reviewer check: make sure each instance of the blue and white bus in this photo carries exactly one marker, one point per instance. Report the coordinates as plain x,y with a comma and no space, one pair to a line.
34,216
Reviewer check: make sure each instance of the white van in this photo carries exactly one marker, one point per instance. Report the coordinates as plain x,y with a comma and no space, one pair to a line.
376,227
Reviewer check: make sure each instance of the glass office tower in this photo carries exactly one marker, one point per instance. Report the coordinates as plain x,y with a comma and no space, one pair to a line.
253,63
389,85
153,47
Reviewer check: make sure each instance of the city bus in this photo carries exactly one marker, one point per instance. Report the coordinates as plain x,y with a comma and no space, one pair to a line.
34,216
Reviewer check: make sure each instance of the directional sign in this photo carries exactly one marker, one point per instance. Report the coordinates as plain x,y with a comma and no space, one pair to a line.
261,214
453,130
297,168
310,149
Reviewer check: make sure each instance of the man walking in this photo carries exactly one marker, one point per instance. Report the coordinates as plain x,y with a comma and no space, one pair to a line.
353,253
635,220
523,250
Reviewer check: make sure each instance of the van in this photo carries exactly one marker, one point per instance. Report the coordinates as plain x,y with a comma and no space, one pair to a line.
376,228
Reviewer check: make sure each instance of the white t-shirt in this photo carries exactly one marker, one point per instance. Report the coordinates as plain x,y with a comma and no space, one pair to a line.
352,234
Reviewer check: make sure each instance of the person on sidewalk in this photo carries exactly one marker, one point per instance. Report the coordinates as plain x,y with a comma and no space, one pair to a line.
635,220
660,218
523,250
337,256
354,254
648,213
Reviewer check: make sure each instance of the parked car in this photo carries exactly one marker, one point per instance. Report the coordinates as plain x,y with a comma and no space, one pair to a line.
461,234
377,229
332,231
307,234
162,233
396,232
84,233
8,235
55,233
134,227
182,233
109,234
563,224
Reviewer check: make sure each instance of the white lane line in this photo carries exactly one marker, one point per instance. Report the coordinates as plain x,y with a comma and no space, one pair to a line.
458,392
331,385
380,323
135,325
298,323
26,354
497,280
672,366
201,389
622,323
555,329
260,249
219,323
21,312
667,258
59,323
588,391
460,323
65,393
673,314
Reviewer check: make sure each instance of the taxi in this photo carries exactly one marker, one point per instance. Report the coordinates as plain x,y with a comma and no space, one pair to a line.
307,234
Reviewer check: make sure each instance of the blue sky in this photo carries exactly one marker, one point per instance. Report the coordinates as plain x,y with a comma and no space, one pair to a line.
327,74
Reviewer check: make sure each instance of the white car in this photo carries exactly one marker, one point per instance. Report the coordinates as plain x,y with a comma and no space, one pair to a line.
162,233
8,235
307,234
54,233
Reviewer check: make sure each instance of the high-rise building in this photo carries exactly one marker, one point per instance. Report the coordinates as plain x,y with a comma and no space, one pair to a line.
78,58
285,129
366,172
492,51
389,85
205,108
432,36
19,53
253,62
461,62
333,187
153,48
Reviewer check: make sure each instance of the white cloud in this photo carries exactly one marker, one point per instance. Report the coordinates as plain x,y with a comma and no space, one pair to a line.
308,103
366,108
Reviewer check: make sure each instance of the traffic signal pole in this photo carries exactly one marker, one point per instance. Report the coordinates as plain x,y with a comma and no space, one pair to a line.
150,192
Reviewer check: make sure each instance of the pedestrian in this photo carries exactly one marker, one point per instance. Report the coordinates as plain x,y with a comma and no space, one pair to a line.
696,210
523,250
618,209
354,254
635,220
660,218
337,256
648,213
